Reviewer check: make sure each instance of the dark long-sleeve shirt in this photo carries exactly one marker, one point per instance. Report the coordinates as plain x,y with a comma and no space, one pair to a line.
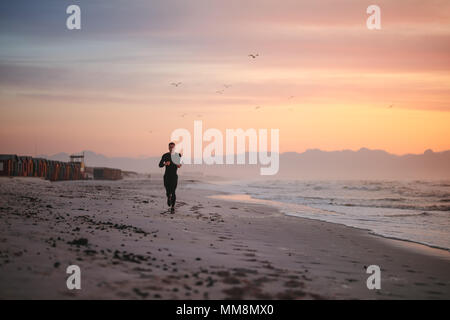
171,169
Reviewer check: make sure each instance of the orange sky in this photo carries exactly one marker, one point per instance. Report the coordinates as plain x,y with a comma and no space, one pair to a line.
322,77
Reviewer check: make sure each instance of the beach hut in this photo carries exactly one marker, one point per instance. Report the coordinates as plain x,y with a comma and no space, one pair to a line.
7,164
35,167
25,166
107,174
49,171
16,167
21,166
39,167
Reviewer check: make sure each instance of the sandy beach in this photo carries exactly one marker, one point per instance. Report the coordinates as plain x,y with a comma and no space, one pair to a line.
128,246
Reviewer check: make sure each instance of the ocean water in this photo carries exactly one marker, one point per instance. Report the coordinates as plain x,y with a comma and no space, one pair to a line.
417,211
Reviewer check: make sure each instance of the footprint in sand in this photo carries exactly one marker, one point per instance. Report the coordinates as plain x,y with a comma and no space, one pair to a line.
231,280
293,284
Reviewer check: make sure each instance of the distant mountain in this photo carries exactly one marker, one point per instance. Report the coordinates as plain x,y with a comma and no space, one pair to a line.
311,164
365,164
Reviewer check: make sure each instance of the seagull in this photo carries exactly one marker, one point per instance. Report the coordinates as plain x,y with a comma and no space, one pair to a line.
183,115
219,92
251,55
227,86
390,107
257,107
176,84
291,97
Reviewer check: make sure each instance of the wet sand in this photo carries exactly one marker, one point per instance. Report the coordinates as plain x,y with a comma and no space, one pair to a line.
129,246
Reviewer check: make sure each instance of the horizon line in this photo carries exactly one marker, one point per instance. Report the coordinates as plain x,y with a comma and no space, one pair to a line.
429,150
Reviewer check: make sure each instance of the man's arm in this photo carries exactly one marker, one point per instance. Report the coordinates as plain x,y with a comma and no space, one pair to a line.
162,162
179,165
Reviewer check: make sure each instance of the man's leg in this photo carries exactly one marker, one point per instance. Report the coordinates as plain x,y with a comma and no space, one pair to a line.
168,190
174,187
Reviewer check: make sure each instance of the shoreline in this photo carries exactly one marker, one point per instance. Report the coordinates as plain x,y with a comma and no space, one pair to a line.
420,246
408,244
209,249
412,247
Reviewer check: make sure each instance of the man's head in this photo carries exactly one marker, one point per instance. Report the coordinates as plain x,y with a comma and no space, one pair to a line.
171,146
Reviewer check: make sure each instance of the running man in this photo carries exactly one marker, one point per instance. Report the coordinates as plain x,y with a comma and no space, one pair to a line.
170,175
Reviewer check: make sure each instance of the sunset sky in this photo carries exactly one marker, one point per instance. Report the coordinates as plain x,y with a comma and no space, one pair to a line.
321,76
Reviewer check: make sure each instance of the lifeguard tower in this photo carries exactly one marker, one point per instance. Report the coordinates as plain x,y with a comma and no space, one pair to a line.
78,158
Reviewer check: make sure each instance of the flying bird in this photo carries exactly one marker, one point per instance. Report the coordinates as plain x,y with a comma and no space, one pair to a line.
219,91
227,86
257,107
176,84
391,106
251,55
